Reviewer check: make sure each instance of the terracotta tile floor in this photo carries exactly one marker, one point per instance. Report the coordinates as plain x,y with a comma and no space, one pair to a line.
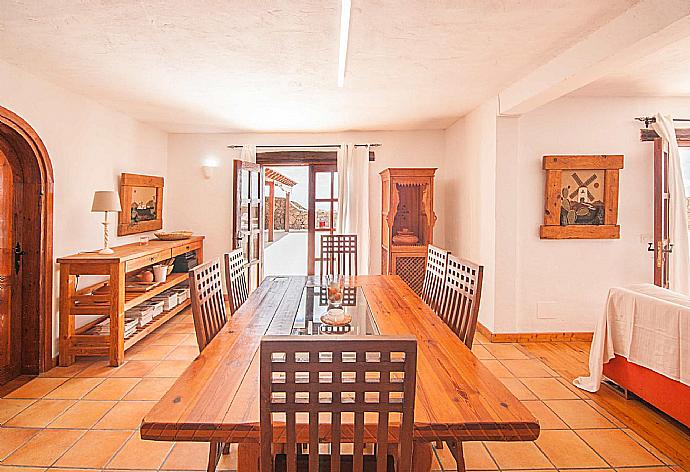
86,417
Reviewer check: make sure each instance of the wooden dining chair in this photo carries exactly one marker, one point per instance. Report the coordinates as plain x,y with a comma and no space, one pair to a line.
434,276
236,279
208,311
317,390
338,255
208,304
462,292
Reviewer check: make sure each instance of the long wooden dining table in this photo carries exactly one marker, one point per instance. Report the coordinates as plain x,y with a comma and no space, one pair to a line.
457,399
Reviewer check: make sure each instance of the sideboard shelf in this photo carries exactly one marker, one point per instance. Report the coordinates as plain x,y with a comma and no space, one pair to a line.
113,302
134,299
155,324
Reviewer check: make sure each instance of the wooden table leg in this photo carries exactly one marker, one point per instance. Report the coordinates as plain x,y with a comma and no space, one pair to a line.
213,456
422,456
456,450
248,457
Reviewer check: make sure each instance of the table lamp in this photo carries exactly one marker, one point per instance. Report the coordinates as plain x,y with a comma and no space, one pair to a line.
106,201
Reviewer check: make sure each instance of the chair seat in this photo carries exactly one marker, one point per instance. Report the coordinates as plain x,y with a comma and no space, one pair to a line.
325,463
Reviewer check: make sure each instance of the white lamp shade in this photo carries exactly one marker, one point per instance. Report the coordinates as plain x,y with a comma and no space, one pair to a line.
106,201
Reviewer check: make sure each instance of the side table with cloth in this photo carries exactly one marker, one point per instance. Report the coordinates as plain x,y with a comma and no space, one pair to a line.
643,336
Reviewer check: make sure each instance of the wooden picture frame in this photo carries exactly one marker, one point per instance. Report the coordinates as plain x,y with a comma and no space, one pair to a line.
568,196
149,211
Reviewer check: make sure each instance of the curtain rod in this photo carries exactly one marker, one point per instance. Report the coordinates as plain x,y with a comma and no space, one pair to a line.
648,120
295,146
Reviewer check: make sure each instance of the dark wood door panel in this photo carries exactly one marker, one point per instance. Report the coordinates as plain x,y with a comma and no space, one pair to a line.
662,244
248,218
10,309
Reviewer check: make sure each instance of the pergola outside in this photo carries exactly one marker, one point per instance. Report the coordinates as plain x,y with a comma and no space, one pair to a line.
271,179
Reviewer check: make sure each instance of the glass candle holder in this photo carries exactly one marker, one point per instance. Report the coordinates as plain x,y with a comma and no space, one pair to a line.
335,285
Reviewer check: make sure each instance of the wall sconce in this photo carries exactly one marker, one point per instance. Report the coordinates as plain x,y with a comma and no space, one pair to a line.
208,171
208,168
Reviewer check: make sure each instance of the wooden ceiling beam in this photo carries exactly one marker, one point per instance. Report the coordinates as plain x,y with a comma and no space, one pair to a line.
640,31
300,158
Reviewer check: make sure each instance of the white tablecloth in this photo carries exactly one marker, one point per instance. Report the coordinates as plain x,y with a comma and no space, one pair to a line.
646,324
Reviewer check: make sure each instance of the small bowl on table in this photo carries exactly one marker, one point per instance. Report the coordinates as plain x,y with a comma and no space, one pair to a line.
336,317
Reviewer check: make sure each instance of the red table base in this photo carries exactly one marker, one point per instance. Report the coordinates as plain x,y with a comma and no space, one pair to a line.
670,396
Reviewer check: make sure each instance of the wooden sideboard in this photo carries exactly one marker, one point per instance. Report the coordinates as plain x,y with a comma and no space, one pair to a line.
112,303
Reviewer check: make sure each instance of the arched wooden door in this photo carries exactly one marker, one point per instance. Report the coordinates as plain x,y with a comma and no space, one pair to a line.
26,250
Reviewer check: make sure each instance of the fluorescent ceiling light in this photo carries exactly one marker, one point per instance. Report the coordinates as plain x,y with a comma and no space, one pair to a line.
344,36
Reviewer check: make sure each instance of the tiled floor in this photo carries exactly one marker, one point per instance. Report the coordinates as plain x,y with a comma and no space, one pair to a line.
86,417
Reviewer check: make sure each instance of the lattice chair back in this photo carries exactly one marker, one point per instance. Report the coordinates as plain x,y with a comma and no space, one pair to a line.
356,391
338,255
461,297
236,279
434,276
208,305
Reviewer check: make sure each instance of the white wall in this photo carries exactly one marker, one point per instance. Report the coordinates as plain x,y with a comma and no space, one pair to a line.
205,206
470,146
89,146
576,274
495,207
507,218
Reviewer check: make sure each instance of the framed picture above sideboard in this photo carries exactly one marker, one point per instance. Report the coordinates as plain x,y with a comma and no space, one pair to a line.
141,197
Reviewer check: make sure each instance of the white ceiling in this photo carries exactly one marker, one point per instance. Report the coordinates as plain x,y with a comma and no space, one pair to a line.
214,65
666,73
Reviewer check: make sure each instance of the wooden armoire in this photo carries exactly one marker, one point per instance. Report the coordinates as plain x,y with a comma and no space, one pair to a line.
407,222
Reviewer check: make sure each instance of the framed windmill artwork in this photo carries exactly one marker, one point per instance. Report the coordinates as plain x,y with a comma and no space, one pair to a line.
581,197
141,198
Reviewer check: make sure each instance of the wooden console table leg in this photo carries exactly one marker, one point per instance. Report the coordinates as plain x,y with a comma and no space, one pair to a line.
117,314
248,457
67,286
422,456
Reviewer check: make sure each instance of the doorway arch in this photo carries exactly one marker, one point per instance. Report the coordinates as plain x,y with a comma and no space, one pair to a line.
32,203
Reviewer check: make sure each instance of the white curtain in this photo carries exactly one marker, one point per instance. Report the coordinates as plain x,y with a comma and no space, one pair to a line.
248,153
353,195
679,275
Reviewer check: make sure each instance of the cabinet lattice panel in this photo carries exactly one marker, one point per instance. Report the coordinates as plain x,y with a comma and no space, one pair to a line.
411,270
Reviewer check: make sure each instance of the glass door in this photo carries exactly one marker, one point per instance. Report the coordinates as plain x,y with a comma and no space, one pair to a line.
248,223
662,245
323,210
